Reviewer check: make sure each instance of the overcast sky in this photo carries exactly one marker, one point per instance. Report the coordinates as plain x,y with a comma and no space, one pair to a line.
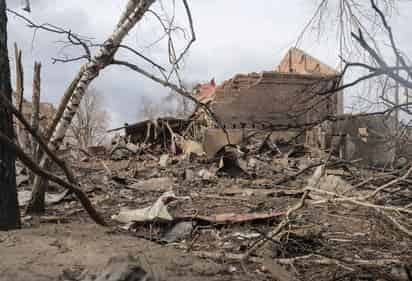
233,36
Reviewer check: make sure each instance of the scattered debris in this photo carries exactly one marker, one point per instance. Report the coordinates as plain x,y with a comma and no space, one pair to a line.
158,211
189,147
179,231
153,184
51,198
259,195
163,160
239,218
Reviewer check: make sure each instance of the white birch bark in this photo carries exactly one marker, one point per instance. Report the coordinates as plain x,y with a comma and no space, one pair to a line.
133,13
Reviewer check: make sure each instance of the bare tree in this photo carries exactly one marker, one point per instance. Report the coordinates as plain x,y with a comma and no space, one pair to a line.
91,121
371,61
134,12
105,56
171,105
9,208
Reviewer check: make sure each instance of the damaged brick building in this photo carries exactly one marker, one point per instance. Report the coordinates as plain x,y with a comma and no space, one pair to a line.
286,99
293,102
287,96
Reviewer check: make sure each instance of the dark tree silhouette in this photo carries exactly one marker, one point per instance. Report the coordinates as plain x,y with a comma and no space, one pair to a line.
9,208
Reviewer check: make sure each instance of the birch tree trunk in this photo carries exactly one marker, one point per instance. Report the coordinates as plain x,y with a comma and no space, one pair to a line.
134,12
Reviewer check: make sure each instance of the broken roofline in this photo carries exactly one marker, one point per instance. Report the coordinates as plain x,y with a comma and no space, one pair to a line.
290,77
298,61
139,125
276,74
143,123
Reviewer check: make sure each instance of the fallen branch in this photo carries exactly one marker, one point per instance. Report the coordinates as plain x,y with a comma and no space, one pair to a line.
224,256
314,258
354,200
320,259
49,176
295,175
271,234
397,224
368,180
392,182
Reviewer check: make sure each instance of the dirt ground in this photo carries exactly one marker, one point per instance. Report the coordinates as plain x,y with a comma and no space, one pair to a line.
51,252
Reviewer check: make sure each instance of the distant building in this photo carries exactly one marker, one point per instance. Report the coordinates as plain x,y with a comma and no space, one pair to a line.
289,96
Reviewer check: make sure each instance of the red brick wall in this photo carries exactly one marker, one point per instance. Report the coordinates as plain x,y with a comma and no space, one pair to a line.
273,98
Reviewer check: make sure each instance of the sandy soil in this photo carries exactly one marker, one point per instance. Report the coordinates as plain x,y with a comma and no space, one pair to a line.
45,253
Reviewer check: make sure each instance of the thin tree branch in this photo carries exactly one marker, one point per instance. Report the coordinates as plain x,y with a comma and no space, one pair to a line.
43,173
72,186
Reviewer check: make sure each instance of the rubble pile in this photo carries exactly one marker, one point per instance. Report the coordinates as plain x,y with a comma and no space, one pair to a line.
277,210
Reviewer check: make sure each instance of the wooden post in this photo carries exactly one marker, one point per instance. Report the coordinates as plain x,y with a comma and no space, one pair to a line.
20,133
35,113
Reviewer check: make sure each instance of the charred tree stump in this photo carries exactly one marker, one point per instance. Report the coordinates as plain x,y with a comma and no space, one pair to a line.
35,114
9,209
20,133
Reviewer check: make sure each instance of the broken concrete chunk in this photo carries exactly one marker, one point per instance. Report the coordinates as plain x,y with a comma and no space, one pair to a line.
205,174
179,231
189,147
163,160
329,183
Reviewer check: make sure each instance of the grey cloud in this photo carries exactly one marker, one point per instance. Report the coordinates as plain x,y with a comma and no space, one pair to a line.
233,37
